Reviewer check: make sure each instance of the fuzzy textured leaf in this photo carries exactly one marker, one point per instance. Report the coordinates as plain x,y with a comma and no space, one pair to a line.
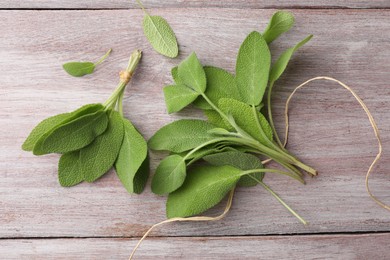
178,97
170,175
281,22
175,76
160,35
204,187
132,164
192,74
69,169
214,118
282,62
98,157
181,135
81,122
79,69
246,120
220,84
240,160
252,68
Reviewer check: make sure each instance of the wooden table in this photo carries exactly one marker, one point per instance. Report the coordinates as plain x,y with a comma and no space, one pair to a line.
329,131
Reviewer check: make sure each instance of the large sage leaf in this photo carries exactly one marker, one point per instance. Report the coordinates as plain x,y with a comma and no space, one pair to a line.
76,131
69,169
191,73
282,62
245,118
281,22
252,68
160,35
181,135
170,174
220,84
98,157
178,97
240,160
204,187
132,164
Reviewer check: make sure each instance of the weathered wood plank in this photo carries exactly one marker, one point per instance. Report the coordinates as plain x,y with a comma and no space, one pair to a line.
328,129
371,246
125,4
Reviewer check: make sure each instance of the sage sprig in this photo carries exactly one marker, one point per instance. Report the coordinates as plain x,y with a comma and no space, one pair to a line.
93,139
79,69
235,133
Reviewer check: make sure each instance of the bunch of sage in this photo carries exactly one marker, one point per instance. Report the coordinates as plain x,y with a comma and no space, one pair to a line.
93,139
235,132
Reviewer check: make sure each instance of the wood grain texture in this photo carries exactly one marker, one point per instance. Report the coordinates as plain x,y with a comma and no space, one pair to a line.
346,247
329,130
125,4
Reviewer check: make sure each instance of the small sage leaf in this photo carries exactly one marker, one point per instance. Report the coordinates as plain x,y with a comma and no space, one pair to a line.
79,69
160,35
220,84
170,175
41,129
219,132
175,76
178,97
181,135
252,68
282,62
74,132
98,157
69,169
281,22
240,160
204,187
192,74
131,165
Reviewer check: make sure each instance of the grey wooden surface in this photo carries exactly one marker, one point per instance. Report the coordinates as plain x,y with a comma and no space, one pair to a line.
39,219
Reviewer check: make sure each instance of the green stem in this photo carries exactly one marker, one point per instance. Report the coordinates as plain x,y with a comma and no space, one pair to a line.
271,121
103,58
280,200
272,171
142,6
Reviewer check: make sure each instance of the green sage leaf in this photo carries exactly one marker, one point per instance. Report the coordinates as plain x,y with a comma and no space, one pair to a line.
98,157
76,131
246,120
215,118
181,135
160,35
79,69
240,160
252,68
175,76
178,97
170,174
191,72
281,22
132,164
220,84
204,187
69,169
282,62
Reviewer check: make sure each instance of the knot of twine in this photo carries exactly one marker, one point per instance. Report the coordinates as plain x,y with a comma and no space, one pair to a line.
125,76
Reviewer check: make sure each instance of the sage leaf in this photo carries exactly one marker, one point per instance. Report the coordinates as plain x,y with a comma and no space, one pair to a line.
131,165
74,132
244,117
215,118
282,62
219,132
220,84
98,157
170,175
240,160
178,97
204,187
79,69
192,74
281,22
41,129
175,76
160,35
69,169
181,135
252,68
